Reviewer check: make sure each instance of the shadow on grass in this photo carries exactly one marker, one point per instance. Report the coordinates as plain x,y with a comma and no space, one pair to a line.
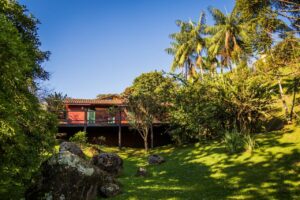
276,178
206,171
272,139
174,179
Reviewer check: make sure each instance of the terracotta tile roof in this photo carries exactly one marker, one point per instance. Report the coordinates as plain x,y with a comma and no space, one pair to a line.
94,101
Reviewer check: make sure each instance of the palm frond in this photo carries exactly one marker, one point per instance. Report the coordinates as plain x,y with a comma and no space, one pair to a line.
218,16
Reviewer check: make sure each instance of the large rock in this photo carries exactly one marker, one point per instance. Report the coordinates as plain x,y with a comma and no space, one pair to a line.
155,159
110,190
68,176
71,147
109,162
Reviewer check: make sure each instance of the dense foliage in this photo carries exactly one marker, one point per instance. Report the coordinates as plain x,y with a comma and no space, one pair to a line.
145,100
230,73
55,103
26,130
208,108
234,72
79,137
262,53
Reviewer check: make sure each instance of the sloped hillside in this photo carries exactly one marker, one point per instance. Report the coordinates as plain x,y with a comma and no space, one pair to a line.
207,171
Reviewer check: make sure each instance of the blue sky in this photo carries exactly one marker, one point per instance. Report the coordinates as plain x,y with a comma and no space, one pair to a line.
100,46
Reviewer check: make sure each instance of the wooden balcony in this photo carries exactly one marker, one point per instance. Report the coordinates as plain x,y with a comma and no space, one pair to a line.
88,118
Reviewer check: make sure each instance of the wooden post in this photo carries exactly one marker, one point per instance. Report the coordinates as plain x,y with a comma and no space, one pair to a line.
151,134
120,129
85,120
67,114
67,117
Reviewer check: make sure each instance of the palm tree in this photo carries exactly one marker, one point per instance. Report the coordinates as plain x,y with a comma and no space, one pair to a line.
229,38
210,64
187,46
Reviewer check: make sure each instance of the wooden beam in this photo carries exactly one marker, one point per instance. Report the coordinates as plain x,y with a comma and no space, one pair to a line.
120,129
151,134
85,120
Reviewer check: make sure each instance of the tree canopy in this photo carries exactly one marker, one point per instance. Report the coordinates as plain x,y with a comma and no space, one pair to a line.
146,101
26,130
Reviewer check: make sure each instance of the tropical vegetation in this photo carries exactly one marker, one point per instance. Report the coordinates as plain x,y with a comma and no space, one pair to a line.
26,130
231,85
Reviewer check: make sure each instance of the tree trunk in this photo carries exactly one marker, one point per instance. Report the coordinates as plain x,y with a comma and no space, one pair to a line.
146,144
85,120
186,71
294,99
145,138
284,104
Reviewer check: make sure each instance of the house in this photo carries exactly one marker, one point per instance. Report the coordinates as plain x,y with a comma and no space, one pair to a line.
105,117
94,112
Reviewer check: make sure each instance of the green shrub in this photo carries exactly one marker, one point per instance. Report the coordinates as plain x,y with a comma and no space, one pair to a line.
180,136
79,137
234,141
249,143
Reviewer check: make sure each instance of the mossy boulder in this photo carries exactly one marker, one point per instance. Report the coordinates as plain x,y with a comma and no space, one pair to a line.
68,176
109,162
155,159
71,147
110,190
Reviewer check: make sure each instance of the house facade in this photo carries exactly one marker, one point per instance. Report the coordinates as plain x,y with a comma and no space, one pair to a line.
107,118
94,112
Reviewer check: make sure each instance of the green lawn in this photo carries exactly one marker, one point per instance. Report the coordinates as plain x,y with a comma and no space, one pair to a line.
206,171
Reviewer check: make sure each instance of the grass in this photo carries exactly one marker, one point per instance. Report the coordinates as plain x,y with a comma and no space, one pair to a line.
207,171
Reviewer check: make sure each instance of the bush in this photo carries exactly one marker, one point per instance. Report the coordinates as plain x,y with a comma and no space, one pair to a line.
249,143
79,137
234,141
195,112
180,136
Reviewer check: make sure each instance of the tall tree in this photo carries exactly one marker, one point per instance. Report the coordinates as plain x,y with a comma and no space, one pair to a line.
146,103
264,22
293,86
210,63
26,130
229,38
187,46
281,64
266,13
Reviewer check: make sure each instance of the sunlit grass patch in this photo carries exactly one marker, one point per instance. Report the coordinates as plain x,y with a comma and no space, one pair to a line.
207,171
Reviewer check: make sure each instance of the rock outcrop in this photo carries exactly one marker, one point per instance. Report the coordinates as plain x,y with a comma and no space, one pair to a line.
68,176
109,162
71,147
155,159
110,190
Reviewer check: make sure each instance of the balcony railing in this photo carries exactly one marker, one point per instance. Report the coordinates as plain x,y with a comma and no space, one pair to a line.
91,118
